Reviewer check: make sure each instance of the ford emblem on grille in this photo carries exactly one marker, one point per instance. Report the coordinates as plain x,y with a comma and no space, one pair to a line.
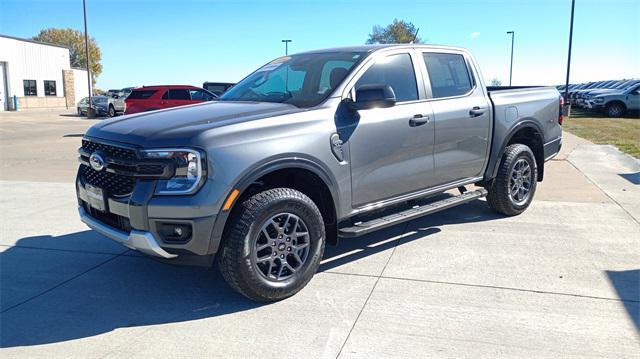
96,161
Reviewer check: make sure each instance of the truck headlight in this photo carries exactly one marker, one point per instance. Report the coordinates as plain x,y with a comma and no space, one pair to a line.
189,170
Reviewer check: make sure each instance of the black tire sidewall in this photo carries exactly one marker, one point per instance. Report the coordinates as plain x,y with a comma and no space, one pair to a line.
526,154
112,111
618,113
498,197
237,263
316,239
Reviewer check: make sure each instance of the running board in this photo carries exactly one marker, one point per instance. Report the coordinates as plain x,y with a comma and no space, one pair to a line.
362,228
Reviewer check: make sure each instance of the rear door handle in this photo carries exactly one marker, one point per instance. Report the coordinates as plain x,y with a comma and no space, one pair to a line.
418,120
476,111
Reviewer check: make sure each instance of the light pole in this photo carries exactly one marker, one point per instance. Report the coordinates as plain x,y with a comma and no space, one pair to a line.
513,35
286,46
90,113
566,87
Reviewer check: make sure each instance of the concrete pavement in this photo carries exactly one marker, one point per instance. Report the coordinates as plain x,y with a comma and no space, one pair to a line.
560,280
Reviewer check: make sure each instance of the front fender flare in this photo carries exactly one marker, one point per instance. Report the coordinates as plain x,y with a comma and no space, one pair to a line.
263,168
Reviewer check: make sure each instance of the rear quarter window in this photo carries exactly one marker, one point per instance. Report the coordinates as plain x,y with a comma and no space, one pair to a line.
141,94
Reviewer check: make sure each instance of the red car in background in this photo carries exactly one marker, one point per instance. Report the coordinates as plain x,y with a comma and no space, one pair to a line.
149,98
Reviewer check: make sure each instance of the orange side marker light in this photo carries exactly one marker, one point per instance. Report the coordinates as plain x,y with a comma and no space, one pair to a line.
229,202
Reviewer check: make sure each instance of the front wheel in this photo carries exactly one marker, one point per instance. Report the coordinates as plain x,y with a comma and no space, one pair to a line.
112,111
513,188
273,245
615,110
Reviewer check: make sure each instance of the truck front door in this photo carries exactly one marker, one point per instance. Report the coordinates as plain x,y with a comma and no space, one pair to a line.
462,116
390,154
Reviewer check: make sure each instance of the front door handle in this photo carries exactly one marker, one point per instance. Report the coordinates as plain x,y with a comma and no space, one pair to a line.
418,120
477,111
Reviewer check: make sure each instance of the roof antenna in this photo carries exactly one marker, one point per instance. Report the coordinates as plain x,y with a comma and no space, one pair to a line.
415,36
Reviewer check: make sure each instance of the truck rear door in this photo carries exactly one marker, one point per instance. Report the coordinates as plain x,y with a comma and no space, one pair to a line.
391,149
462,116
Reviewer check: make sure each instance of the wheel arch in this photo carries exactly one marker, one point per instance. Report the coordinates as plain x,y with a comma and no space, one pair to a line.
307,175
616,101
527,132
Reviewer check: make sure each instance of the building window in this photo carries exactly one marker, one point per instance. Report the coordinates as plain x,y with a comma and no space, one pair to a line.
49,88
30,88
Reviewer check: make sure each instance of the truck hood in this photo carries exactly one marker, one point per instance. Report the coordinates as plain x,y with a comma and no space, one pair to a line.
605,92
178,126
612,92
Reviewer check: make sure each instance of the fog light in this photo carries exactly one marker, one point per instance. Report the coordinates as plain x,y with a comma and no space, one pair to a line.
175,232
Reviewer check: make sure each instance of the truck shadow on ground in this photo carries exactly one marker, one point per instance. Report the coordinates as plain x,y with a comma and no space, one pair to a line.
627,285
111,291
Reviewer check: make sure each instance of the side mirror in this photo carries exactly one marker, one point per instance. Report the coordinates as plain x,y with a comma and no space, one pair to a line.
116,97
373,96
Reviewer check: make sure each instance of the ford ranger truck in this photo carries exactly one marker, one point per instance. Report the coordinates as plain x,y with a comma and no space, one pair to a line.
310,148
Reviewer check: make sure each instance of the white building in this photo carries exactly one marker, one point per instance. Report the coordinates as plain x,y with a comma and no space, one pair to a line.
38,75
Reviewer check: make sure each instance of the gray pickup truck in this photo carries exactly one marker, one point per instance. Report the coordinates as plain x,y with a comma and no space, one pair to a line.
310,148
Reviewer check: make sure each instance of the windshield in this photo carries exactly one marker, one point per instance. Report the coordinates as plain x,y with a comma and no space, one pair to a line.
300,80
99,99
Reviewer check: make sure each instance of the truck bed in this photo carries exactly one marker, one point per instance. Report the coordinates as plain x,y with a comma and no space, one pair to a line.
515,105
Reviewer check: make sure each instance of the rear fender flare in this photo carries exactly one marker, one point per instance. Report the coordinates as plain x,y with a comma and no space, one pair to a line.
494,160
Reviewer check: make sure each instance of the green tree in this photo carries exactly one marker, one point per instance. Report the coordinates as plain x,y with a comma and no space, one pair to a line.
496,82
398,32
74,39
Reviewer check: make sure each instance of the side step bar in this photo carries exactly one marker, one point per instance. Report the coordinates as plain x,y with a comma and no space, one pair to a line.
362,228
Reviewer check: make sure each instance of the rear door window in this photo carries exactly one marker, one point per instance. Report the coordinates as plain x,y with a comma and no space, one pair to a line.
141,94
448,74
179,94
395,71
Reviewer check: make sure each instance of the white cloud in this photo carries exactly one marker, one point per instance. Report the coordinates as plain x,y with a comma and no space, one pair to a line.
474,34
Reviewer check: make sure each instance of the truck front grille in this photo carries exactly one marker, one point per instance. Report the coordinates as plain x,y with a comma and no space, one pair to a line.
114,184
109,150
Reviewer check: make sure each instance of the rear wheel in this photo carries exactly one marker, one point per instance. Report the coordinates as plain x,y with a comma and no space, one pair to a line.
513,188
615,109
273,245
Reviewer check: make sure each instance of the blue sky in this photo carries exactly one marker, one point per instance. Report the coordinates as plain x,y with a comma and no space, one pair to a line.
191,41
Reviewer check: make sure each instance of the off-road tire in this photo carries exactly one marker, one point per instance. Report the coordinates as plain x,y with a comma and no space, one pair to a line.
235,256
498,198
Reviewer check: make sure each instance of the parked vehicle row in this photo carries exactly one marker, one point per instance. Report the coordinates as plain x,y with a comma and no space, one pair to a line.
131,100
614,98
149,98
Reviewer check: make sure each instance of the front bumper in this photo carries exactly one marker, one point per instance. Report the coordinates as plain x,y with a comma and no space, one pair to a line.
593,105
141,241
136,220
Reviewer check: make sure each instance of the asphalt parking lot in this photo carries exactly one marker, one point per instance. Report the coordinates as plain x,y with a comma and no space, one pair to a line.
561,280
